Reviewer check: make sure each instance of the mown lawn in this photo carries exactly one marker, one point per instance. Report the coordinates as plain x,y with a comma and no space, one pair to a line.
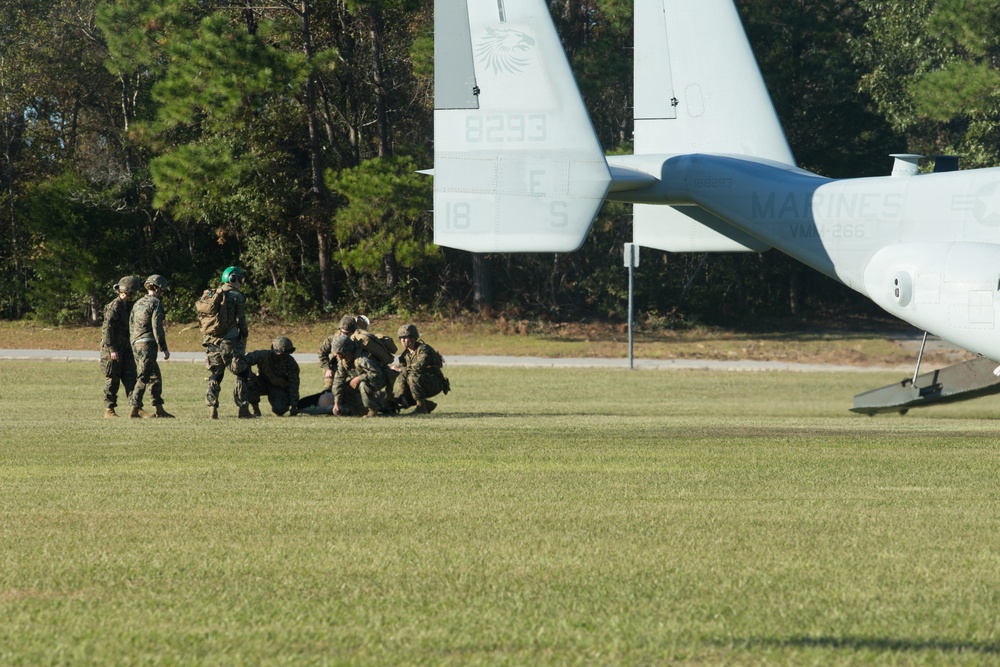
539,517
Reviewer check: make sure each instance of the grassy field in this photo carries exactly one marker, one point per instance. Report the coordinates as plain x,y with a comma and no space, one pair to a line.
538,517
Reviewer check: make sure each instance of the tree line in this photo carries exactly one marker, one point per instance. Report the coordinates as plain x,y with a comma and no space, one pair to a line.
182,136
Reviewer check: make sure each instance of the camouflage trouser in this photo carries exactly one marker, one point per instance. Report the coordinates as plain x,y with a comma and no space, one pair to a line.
227,354
278,397
147,374
117,373
413,387
359,401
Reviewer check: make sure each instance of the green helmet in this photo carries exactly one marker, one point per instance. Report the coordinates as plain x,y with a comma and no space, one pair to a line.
283,345
408,330
343,345
348,324
129,284
229,273
157,280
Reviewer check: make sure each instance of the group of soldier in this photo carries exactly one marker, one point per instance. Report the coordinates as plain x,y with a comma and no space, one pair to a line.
362,376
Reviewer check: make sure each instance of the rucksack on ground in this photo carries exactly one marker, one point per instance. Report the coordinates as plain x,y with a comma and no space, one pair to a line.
213,315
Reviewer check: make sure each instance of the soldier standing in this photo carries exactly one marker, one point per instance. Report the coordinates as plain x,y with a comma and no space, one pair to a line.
358,382
117,362
277,378
348,325
148,338
420,374
229,349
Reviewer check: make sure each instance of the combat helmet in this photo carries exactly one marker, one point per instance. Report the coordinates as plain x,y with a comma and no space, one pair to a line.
409,331
348,324
362,322
282,344
129,284
157,280
342,344
231,272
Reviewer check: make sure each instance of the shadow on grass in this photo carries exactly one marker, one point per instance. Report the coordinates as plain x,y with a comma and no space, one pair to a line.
875,644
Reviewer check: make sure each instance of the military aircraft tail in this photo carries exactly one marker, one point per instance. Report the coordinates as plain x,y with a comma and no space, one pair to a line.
517,165
698,90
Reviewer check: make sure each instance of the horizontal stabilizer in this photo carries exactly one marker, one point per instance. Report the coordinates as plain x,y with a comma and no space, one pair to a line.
688,229
960,382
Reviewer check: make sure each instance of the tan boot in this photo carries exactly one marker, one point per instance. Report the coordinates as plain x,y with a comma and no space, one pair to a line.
245,412
137,412
213,412
110,414
372,412
161,413
422,408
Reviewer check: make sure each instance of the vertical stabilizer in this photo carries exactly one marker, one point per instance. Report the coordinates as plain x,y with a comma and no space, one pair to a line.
698,90
697,85
517,165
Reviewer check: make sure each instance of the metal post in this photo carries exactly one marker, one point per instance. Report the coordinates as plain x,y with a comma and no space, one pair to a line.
920,356
631,261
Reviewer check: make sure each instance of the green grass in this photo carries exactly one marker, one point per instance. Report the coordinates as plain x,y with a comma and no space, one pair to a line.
539,517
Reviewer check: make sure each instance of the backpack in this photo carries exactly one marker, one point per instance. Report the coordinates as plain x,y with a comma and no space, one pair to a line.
213,315
379,346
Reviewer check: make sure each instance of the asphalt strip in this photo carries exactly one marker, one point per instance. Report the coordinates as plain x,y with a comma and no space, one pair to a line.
509,362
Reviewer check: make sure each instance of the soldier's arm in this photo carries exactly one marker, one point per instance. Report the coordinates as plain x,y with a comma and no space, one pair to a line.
341,380
241,317
158,332
253,358
324,353
293,382
110,316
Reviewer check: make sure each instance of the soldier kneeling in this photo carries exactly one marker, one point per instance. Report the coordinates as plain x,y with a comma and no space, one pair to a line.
420,374
358,381
277,378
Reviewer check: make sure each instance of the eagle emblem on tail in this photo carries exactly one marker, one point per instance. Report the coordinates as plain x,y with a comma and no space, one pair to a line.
504,50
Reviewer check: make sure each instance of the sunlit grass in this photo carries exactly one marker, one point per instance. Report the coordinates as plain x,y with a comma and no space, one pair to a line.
539,517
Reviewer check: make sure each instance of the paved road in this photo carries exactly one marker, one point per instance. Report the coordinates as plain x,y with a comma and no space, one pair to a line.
522,362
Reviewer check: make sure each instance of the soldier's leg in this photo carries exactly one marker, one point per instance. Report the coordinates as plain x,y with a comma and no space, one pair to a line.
401,393
141,352
279,400
155,382
128,373
237,364
111,370
373,398
216,364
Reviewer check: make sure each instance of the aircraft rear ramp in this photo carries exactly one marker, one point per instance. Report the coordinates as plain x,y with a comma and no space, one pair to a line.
971,379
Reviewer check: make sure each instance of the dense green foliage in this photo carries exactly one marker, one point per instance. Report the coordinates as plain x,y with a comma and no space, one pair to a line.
534,519
182,136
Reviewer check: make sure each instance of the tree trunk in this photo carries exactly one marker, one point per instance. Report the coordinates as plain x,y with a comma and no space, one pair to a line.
482,282
391,270
378,78
318,189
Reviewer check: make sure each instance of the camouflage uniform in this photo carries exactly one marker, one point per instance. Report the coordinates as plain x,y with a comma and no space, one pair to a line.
348,325
148,339
370,393
228,351
326,360
420,376
376,347
277,378
115,338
